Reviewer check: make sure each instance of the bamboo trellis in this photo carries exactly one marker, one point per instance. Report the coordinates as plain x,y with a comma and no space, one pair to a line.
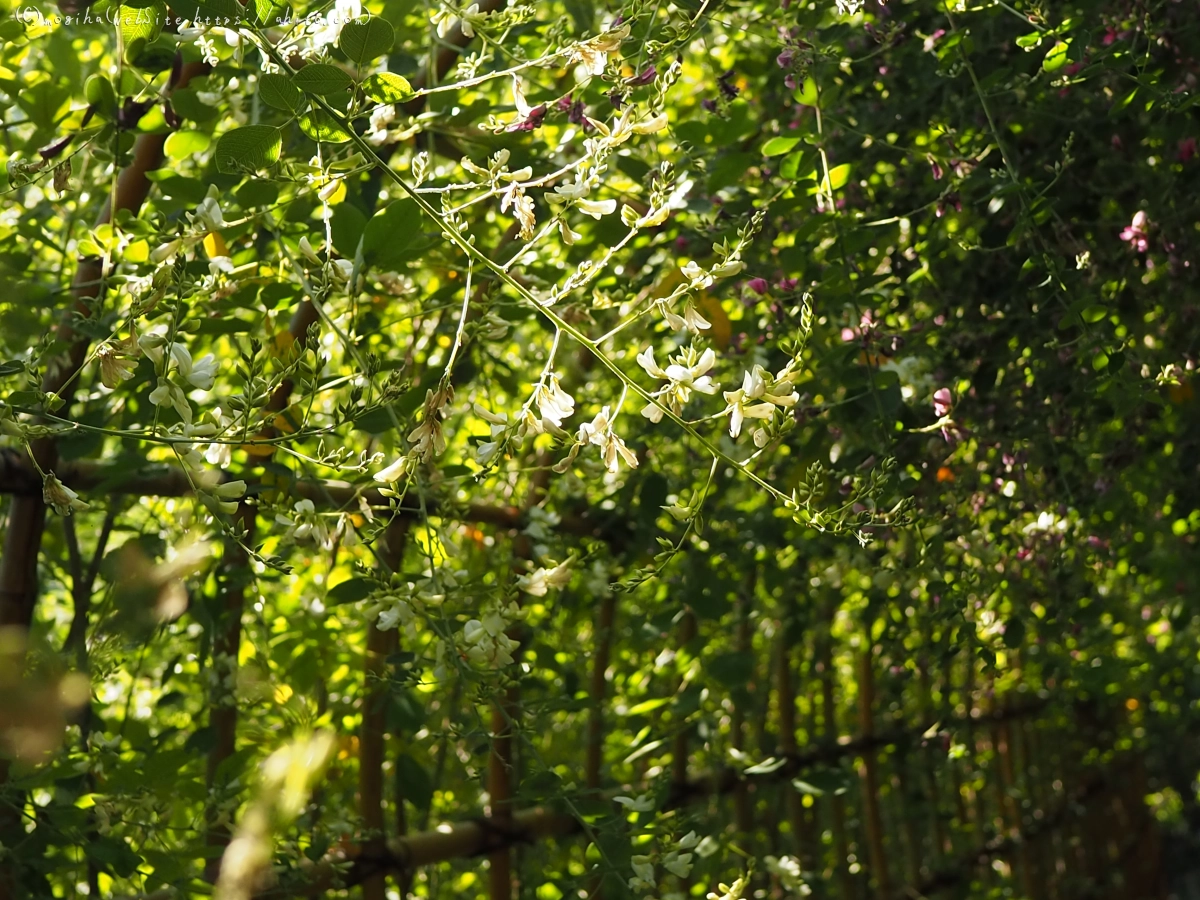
1041,826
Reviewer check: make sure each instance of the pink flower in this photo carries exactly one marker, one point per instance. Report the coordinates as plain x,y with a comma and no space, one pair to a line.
933,39
1134,233
943,400
758,285
1187,149
787,284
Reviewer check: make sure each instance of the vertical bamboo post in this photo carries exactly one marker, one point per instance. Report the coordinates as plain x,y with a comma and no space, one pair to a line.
785,694
837,804
603,634
372,739
223,710
743,808
873,818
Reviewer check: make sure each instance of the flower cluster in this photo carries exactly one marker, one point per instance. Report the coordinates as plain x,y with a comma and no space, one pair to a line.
686,373
758,398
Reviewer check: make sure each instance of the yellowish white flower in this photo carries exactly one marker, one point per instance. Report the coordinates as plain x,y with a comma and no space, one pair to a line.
686,373
538,582
59,497
612,448
757,397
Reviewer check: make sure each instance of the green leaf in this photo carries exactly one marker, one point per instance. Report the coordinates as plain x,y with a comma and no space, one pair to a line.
390,232
140,24
838,176
271,12
386,87
320,126
777,146
322,79
648,706
1100,361
806,93
114,854
11,367
1094,314
414,782
251,147
349,591
365,41
1056,57
184,144
279,92
643,750
1029,41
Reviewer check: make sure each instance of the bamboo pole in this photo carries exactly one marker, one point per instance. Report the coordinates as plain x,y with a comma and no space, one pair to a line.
873,818
223,708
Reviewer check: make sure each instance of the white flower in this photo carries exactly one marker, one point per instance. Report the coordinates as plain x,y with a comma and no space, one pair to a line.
553,402
652,125
594,53
573,190
597,208
539,581
685,374
202,372
612,448
514,195
59,497
644,803
304,524
692,320
168,394
679,864
395,471
231,490
524,110
486,642
164,252
757,398
399,613
208,212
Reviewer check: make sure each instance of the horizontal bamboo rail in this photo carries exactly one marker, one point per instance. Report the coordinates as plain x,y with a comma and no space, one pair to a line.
484,835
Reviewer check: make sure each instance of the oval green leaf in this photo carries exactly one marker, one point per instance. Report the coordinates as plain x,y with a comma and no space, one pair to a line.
387,88
251,147
279,92
320,126
1056,57
777,146
184,144
365,41
322,79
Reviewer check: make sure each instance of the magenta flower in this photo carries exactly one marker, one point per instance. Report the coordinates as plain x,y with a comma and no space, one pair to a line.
758,285
1135,234
1187,149
785,59
931,41
787,284
943,401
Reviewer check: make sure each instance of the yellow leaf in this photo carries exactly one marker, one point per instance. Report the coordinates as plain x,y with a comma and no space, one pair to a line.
214,245
710,307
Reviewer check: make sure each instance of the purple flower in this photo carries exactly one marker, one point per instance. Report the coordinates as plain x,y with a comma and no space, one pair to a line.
787,284
1135,234
575,116
943,402
563,104
616,98
646,77
758,285
532,121
709,104
790,81
937,169
785,59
